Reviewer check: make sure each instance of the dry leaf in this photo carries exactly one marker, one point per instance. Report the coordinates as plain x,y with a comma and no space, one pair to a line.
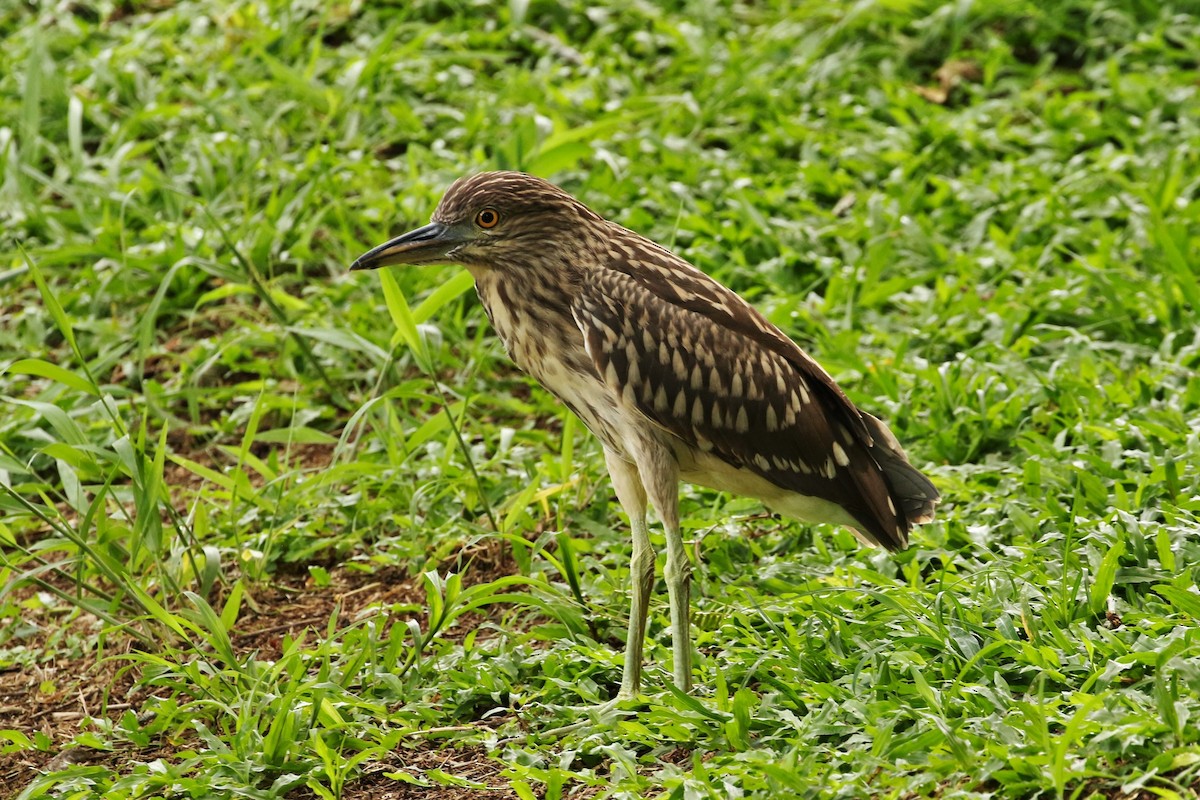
949,75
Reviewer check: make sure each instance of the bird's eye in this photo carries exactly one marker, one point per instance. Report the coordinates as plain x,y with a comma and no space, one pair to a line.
488,218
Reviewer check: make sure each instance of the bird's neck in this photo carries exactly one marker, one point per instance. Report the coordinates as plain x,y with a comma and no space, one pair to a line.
530,309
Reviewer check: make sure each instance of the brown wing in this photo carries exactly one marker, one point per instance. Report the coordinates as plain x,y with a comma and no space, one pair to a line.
700,362
677,282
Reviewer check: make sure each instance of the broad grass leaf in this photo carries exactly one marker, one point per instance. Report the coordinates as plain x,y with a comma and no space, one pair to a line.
44,369
1105,576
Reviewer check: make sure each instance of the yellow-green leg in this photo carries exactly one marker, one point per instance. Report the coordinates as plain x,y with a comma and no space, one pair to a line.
660,477
678,573
628,486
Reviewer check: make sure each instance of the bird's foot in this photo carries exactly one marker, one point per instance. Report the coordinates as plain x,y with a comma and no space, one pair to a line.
595,717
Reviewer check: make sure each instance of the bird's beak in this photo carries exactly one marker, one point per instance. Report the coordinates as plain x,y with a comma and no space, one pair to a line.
430,244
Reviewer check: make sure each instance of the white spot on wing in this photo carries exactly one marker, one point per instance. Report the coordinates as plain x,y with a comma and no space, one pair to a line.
840,455
678,365
610,336
660,399
847,437
610,375
743,422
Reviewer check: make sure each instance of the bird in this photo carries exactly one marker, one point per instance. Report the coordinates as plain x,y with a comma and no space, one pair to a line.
678,377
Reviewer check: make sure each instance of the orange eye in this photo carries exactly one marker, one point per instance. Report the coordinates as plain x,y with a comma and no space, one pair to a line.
488,218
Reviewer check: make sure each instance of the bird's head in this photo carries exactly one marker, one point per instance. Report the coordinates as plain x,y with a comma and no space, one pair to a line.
488,220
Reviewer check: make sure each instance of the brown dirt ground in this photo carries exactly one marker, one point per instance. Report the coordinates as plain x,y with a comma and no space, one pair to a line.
56,696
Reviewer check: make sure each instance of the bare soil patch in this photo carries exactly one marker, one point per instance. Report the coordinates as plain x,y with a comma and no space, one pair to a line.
56,696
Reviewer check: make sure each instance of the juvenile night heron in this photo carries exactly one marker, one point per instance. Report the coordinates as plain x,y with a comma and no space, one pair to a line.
679,377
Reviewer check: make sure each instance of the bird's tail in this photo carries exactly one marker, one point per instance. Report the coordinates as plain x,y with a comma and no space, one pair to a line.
913,493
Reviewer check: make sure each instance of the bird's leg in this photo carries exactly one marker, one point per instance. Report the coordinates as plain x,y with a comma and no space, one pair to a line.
628,485
641,568
660,473
678,573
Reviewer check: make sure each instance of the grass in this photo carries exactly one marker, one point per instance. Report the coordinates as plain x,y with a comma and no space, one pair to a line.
271,529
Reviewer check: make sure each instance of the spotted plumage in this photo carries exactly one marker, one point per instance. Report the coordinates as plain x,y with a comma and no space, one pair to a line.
745,394
677,375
